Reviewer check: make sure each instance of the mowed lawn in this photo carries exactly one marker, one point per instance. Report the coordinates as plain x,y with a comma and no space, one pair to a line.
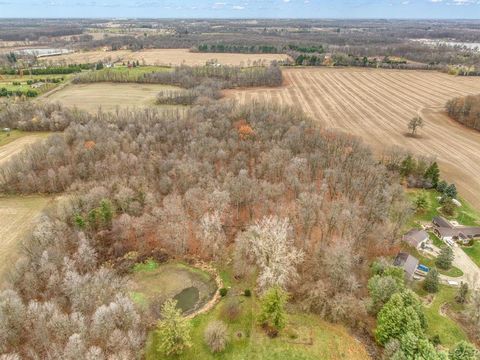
108,96
17,215
439,323
473,252
306,337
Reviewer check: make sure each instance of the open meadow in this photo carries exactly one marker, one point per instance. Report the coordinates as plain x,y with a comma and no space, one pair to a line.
16,142
166,57
17,214
107,96
378,104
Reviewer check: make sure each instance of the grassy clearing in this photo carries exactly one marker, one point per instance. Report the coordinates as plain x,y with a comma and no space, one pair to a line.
8,137
465,215
17,215
474,252
110,96
152,283
305,337
439,323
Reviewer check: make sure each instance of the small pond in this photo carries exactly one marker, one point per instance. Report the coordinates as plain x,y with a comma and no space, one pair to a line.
187,299
153,284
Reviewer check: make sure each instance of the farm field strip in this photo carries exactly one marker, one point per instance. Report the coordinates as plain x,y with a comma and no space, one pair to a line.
16,146
17,214
166,57
109,96
377,105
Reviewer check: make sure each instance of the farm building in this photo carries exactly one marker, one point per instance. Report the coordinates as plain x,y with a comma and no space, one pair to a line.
416,238
408,262
447,231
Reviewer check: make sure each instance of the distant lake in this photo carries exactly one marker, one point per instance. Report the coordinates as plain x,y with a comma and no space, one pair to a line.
43,52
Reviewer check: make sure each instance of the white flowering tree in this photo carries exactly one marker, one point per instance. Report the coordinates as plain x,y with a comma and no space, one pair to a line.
271,245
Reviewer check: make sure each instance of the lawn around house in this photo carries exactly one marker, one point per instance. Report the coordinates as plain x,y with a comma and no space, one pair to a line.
439,323
473,252
305,337
465,215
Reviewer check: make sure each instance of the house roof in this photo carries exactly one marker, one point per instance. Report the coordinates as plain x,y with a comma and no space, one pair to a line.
447,232
441,222
469,231
408,262
415,236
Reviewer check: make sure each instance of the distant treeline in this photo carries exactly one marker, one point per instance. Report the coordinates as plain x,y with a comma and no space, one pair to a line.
189,77
246,49
258,49
465,110
50,70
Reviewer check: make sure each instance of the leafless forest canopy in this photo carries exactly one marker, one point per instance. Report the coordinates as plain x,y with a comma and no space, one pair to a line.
188,185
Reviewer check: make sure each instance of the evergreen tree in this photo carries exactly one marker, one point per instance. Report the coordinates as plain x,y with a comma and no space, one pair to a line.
431,281
441,186
407,166
433,174
173,330
445,258
397,318
273,308
421,201
451,191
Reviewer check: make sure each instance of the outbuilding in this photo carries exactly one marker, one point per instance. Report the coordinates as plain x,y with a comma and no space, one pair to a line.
416,238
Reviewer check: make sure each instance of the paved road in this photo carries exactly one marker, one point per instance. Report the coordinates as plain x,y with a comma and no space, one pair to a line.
471,272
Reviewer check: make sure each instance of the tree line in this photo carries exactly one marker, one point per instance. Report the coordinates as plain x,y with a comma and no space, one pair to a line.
465,110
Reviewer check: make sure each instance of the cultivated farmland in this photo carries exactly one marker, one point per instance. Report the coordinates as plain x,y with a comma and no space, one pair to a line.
166,57
17,215
108,96
377,105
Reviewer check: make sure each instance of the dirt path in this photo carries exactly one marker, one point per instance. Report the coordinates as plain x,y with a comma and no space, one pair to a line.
377,105
15,147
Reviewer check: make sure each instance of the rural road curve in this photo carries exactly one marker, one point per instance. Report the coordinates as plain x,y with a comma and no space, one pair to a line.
15,147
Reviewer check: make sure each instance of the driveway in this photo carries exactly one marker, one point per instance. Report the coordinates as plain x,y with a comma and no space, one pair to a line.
471,272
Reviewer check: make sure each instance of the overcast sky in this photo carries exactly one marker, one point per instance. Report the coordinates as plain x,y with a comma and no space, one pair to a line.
457,9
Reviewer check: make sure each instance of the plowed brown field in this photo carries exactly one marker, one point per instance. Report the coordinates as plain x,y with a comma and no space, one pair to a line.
377,105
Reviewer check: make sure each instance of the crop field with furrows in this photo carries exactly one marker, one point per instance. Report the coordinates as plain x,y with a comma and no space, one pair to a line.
168,57
378,104
108,96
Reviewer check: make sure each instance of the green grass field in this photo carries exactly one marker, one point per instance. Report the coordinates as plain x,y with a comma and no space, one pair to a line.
465,215
305,337
473,252
7,137
439,323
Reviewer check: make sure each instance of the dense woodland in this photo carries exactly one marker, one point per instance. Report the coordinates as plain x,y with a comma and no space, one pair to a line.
465,110
204,184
